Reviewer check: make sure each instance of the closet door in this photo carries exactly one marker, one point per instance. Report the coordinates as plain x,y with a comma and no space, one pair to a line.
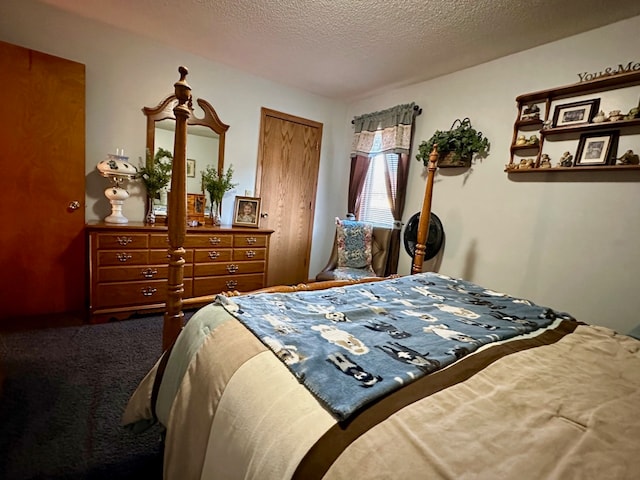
287,178
42,247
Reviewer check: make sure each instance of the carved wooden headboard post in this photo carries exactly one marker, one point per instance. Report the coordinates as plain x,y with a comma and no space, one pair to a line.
425,214
177,220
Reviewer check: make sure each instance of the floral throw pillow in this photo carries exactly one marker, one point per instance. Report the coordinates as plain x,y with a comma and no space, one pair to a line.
354,244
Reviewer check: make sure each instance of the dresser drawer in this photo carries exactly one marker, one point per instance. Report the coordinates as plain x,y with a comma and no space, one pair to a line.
159,240
161,257
227,268
130,293
249,240
213,255
241,254
209,240
123,257
122,240
134,293
137,273
133,273
213,285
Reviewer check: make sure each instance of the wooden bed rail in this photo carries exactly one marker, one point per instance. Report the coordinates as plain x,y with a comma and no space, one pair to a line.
300,287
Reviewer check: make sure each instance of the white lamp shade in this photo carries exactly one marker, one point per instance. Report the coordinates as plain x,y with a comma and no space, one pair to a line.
116,165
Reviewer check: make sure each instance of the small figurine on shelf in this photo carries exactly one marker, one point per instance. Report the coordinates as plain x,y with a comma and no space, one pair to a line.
522,140
566,160
615,116
531,112
545,161
600,117
629,158
633,113
526,163
533,140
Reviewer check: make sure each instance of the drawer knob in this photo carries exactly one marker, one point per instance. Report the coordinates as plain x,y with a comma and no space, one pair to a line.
232,268
214,240
149,273
124,241
232,284
250,254
213,254
148,291
251,240
123,257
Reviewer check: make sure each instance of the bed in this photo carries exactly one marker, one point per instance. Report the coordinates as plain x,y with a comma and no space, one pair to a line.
421,376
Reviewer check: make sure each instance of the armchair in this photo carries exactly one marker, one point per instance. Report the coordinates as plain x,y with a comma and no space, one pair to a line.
380,240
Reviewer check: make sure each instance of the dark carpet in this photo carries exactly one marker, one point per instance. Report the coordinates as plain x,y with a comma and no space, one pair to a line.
63,396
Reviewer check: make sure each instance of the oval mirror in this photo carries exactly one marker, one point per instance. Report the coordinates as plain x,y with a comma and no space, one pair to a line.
205,141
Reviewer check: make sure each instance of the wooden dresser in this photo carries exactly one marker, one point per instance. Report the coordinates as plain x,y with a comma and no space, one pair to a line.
128,265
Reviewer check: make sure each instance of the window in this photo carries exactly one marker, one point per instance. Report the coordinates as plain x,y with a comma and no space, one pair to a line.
374,202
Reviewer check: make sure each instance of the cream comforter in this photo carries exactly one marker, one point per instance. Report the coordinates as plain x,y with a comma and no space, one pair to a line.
564,410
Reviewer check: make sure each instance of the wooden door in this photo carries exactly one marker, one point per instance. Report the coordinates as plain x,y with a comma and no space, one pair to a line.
287,178
42,248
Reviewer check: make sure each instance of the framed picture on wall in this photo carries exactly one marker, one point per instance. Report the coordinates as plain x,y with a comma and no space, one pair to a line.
191,167
575,113
246,212
597,149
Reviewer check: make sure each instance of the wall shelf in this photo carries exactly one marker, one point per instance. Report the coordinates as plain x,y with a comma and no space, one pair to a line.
543,101
573,169
591,127
598,85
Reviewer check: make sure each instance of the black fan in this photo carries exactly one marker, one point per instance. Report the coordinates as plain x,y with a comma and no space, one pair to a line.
435,236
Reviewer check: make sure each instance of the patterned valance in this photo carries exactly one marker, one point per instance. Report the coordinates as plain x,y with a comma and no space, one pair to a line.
387,131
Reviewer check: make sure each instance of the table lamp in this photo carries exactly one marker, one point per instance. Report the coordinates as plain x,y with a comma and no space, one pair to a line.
117,169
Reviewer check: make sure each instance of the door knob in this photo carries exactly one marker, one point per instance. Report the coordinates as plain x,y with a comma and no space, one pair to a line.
75,205
264,215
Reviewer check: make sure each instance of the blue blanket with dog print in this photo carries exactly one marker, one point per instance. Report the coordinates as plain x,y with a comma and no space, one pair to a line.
350,345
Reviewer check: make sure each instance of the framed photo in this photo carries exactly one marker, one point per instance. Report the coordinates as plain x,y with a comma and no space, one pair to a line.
246,212
195,208
596,149
191,167
575,113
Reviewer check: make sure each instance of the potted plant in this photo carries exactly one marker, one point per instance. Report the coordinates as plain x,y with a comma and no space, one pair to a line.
156,175
456,146
217,184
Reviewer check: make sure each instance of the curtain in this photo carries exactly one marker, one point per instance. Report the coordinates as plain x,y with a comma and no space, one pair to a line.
359,168
395,128
396,198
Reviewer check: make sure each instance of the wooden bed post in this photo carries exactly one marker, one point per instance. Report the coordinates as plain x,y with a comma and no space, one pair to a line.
425,214
177,220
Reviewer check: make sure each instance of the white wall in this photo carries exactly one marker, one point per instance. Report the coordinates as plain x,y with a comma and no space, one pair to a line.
569,241
125,72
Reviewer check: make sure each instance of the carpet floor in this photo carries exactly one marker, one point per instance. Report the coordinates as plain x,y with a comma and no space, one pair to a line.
63,396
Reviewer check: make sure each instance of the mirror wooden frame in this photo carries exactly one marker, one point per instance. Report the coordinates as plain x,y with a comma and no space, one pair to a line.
164,111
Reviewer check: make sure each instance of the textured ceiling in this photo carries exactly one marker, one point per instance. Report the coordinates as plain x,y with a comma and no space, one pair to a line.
348,49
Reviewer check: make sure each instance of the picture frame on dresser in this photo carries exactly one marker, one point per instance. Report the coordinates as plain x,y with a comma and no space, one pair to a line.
195,209
246,212
575,113
597,149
